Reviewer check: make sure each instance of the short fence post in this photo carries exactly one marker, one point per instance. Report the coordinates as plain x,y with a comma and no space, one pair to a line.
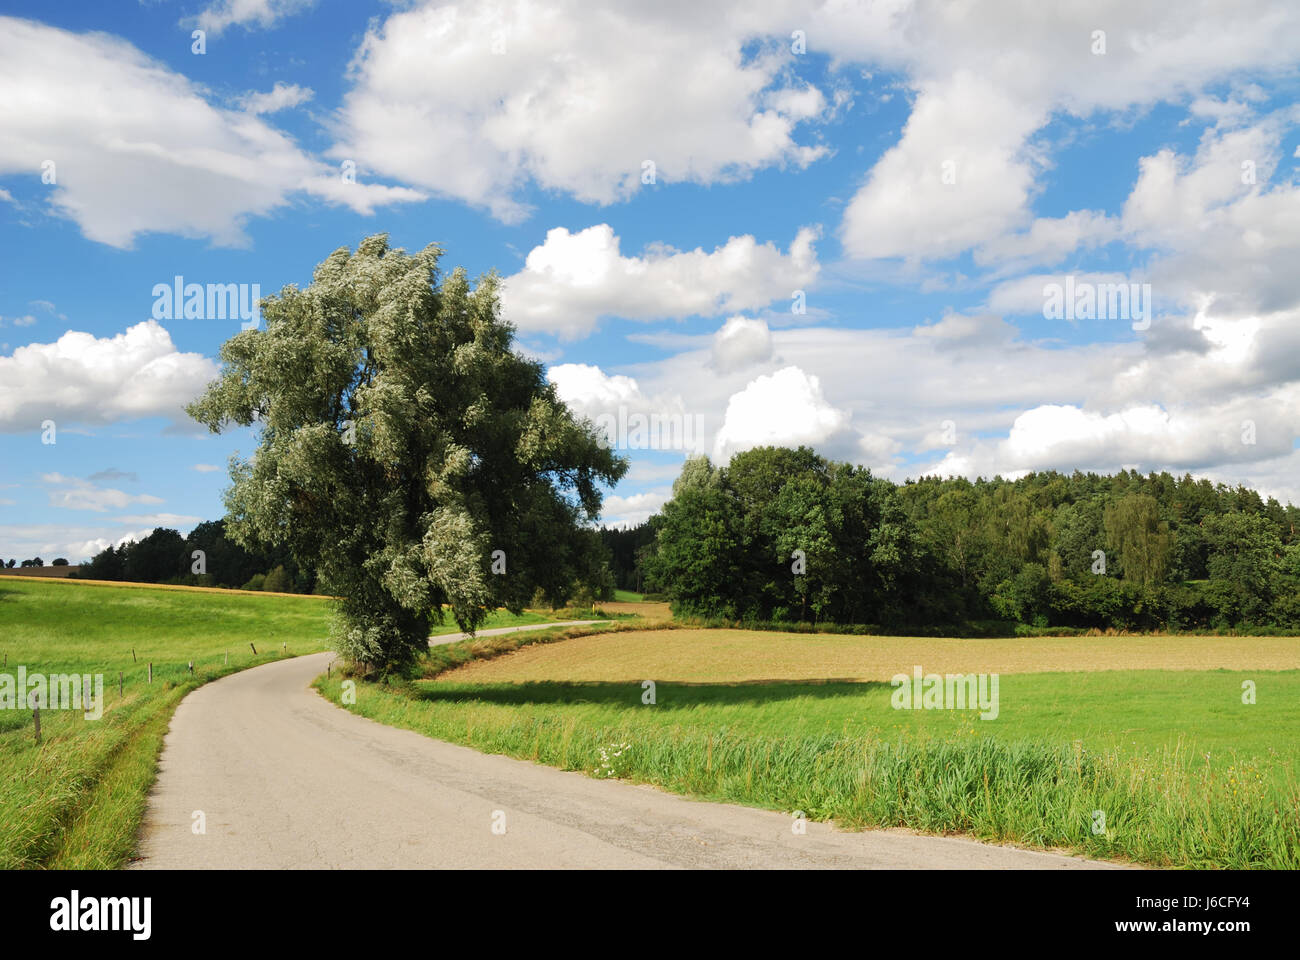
250,643
36,715
120,694
191,668
133,659
151,672
227,658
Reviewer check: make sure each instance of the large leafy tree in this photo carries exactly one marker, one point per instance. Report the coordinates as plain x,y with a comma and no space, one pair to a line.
1135,530
405,450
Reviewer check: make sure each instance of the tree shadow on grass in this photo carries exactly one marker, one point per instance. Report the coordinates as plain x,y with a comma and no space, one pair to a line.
668,694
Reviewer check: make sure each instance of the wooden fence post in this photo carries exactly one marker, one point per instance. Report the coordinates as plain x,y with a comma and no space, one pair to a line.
151,671
254,648
36,715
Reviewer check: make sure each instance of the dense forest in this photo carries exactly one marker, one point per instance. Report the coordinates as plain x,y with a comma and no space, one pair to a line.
164,556
786,535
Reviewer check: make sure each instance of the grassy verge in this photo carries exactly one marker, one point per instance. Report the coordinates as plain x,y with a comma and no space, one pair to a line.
76,799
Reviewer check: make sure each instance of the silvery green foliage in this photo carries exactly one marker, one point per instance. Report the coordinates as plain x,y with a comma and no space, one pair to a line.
402,441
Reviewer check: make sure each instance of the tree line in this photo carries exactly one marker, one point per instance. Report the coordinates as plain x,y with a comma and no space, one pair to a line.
786,535
164,556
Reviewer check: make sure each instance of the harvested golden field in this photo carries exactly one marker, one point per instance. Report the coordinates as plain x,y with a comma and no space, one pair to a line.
650,609
749,655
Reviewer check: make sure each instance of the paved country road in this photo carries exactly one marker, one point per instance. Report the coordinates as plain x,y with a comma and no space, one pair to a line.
285,779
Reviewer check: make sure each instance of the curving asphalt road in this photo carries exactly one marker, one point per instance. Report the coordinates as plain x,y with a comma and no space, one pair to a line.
285,779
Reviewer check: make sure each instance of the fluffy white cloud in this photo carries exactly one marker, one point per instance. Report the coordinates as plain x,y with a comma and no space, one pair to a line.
1222,232
630,419
573,279
589,391
631,511
221,14
81,378
280,97
205,467
962,329
50,540
73,493
1225,439
175,520
740,343
785,408
982,111
1047,241
958,176
136,147
473,100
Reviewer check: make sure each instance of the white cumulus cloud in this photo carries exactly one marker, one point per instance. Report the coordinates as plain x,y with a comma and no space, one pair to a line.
740,343
785,408
81,378
474,100
573,279
134,147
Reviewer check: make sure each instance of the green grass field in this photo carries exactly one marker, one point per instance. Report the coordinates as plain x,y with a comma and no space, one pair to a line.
76,799
1183,771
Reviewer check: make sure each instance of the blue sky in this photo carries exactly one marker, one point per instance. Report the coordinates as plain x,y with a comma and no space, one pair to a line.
922,172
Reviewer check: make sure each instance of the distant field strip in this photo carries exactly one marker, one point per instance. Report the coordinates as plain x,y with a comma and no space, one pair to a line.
748,656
